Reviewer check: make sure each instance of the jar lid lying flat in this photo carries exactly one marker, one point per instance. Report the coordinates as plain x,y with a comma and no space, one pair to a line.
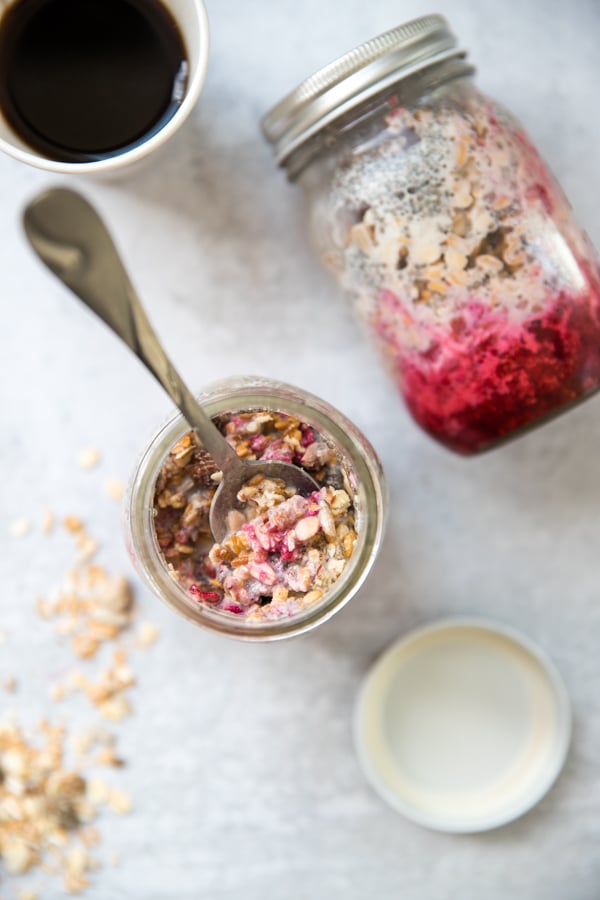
462,725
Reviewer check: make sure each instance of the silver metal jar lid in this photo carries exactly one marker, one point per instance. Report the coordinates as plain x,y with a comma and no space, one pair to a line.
354,77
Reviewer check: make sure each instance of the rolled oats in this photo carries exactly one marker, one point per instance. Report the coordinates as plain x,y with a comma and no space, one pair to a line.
114,489
20,527
89,458
119,802
46,801
41,802
27,895
148,634
115,708
47,522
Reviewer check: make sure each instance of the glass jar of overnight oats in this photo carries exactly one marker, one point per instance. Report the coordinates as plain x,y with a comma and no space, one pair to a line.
291,562
434,210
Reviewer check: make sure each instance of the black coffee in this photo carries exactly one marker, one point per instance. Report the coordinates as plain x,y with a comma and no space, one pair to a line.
82,80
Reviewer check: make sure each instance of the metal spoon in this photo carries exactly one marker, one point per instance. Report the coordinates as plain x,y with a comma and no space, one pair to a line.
70,238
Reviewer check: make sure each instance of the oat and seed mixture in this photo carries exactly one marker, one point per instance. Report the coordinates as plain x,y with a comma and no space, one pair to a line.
466,264
287,550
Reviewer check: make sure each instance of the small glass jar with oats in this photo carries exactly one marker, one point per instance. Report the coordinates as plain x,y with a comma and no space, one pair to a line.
437,214
290,561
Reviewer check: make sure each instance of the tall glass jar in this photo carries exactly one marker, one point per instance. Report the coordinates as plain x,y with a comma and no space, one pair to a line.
362,474
436,213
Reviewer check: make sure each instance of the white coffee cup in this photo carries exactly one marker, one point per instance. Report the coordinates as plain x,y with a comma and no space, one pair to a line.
191,17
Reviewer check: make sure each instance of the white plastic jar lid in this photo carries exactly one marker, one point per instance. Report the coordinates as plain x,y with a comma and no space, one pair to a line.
462,725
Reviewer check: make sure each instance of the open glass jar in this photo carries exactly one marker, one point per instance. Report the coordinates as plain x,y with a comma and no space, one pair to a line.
358,468
436,213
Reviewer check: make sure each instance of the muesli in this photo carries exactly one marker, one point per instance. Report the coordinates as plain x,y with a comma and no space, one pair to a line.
285,550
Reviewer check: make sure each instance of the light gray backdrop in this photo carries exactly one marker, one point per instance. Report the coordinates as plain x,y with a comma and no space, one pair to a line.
240,757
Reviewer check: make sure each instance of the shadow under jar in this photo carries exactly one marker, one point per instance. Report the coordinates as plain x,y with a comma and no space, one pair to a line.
436,213
302,429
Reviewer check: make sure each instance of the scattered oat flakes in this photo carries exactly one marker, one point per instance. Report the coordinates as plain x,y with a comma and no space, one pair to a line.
10,684
58,692
119,801
66,626
28,895
116,678
107,757
73,524
91,607
16,856
116,708
20,527
97,791
89,836
45,804
83,743
76,681
147,635
43,608
85,646
76,863
89,458
47,522
114,488
87,547
41,802
74,884
3,636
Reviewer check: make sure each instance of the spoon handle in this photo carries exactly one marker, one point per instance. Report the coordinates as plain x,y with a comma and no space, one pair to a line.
71,239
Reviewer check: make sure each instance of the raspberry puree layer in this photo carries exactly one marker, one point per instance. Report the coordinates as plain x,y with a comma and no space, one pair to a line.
489,376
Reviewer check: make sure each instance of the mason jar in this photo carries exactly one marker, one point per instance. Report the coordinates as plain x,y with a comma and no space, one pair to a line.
433,209
363,475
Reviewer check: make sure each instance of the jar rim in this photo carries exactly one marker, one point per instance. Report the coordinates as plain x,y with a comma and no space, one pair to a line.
239,393
355,77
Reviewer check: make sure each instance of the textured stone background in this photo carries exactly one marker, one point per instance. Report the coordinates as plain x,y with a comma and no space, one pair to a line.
242,767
